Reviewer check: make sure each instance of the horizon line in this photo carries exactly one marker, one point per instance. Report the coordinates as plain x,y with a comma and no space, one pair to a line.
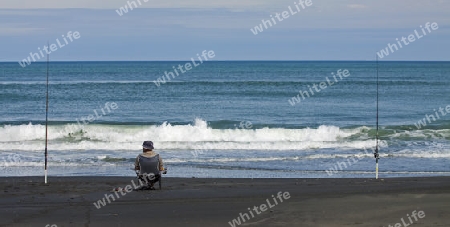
237,61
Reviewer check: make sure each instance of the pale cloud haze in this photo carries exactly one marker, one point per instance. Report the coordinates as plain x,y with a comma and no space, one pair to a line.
173,30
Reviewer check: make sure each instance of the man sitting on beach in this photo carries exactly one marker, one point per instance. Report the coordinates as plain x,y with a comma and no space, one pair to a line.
147,151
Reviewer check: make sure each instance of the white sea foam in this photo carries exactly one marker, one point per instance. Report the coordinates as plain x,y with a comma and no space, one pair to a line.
166,136
196,136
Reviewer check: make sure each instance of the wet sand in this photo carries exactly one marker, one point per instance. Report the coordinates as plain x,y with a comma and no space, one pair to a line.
69,201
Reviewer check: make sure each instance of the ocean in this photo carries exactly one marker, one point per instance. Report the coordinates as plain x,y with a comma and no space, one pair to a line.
237,119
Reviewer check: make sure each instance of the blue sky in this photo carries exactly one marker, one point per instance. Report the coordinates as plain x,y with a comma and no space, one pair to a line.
170,30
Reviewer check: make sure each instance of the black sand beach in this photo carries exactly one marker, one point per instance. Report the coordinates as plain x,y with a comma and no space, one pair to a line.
69,201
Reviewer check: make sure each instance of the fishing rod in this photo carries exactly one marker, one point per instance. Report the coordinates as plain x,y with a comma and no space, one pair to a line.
46,121
376,155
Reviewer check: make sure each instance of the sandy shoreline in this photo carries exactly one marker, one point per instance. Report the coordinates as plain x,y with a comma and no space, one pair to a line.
69,201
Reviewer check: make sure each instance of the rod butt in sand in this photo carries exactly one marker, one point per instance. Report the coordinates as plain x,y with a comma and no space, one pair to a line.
376,171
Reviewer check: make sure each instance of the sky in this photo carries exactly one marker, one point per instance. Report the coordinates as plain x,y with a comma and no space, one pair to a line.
179,30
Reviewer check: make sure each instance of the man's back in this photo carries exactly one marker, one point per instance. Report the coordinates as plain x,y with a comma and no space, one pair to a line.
149,154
